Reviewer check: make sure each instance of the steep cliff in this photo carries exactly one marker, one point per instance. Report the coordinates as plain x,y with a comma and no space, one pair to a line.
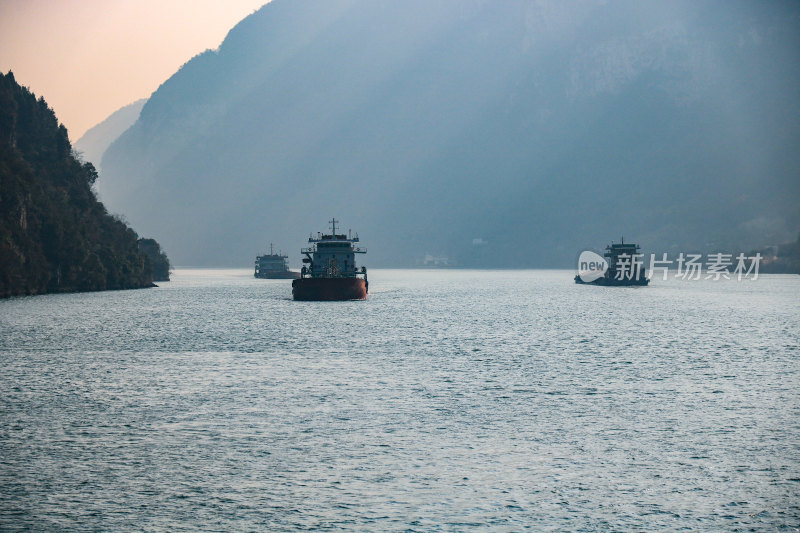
55,236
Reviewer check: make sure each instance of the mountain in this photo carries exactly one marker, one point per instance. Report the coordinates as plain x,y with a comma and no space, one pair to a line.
54,234
513,133
94,142
780,259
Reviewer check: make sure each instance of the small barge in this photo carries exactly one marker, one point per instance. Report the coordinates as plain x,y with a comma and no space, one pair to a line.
623,267
274,266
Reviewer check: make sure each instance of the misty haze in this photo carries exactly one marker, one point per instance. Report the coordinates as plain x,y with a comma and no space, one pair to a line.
535,129
400,265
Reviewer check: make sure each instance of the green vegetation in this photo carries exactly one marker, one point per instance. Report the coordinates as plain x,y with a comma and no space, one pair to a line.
158,259
55,236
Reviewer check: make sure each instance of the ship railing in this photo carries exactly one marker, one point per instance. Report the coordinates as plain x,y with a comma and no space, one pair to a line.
356,273
329,238
311,250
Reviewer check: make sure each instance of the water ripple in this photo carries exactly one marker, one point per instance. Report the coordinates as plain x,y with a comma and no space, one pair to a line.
448,401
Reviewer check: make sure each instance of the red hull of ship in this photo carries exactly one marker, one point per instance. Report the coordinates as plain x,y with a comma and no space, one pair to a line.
329,289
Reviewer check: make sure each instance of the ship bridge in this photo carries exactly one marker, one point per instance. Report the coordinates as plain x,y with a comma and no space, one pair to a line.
332,255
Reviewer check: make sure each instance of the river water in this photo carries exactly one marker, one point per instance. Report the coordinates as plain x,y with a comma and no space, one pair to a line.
450,400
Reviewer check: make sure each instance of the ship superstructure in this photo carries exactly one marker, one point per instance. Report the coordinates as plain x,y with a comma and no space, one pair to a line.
274,266
329,268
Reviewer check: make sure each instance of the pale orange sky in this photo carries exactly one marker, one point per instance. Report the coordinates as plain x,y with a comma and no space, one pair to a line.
88,58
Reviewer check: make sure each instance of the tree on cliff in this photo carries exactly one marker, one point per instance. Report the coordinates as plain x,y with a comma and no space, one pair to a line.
55,236
158,259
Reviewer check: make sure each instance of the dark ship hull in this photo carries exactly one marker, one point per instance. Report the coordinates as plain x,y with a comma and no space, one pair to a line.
613,282
286,274
329,289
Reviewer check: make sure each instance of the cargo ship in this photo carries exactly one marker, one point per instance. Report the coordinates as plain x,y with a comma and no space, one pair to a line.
623,267
329,268
274,266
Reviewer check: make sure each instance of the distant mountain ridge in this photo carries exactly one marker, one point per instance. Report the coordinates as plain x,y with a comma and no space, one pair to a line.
92,145
535,129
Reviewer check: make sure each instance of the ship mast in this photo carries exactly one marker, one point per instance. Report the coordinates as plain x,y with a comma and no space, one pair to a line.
333,226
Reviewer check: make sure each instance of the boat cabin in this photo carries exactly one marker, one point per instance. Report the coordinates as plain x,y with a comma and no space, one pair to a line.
332,255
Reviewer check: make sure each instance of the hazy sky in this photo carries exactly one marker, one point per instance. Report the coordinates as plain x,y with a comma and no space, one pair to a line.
88,58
